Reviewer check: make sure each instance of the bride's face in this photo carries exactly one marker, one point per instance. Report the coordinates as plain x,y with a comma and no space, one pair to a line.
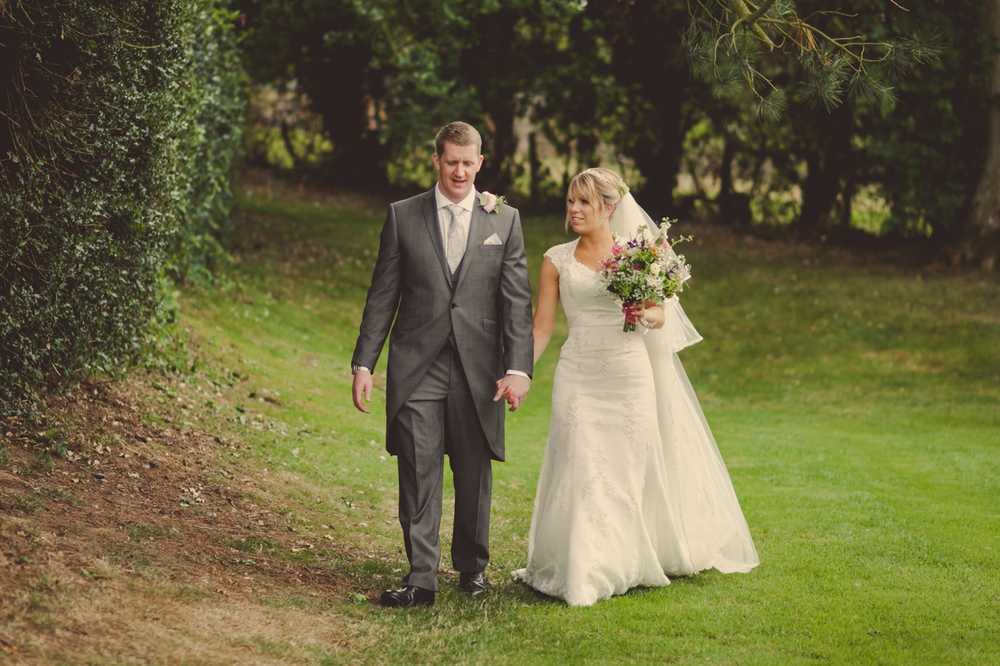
584,215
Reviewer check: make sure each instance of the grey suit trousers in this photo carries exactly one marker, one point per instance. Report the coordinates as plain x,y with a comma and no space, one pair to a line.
440,418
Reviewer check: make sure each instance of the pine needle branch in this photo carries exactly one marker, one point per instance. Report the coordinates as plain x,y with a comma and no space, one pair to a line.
723,43
743,14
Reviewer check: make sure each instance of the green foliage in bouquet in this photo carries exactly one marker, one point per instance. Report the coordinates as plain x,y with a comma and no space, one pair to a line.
645,268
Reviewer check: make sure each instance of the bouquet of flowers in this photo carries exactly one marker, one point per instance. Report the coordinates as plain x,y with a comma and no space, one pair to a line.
645,269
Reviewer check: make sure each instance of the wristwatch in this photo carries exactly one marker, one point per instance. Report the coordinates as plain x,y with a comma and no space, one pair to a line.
355,368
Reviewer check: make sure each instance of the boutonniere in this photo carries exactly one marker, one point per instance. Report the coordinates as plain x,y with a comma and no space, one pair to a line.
489,201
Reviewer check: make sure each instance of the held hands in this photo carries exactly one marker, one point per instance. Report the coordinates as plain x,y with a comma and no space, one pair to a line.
513,388
363,384
651,313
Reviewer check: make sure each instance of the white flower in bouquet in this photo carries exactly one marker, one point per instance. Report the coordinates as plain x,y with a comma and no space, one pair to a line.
644,269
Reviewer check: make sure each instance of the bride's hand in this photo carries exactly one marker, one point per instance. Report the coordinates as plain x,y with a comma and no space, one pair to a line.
513,389
650,313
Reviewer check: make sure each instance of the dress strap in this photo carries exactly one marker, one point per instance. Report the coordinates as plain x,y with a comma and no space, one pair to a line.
561,255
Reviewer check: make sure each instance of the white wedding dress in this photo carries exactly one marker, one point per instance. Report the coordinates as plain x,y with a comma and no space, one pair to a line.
632,487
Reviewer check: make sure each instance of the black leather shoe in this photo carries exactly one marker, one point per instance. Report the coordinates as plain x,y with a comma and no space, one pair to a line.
408,596
473,583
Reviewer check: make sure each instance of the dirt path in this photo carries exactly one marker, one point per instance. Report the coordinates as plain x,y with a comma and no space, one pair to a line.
143,541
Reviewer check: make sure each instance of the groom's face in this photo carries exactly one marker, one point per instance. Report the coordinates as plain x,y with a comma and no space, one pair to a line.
457,167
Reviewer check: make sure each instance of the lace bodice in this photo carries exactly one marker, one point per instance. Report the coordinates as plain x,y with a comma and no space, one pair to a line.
584,297
588,304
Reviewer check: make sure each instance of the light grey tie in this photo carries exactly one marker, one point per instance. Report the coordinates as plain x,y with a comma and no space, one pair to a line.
456,238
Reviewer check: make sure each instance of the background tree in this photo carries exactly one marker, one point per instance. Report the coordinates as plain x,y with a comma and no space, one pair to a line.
981,235
384,75
921,136
729,41
648,66
851,97
327,47
927,154
575,105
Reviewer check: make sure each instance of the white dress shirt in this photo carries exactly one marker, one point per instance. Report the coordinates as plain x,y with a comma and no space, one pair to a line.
465,219
444,215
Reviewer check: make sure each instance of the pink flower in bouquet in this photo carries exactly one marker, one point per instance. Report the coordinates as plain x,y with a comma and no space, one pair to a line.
644,269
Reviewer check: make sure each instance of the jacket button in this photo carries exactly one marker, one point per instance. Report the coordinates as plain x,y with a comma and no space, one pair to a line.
454,305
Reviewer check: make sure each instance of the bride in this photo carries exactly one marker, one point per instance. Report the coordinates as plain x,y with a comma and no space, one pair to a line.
632,488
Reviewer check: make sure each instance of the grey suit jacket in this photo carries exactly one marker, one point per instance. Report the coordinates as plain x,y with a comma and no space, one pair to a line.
488,308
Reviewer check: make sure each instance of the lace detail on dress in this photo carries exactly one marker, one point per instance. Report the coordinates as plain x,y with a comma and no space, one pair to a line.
604,354
561,255
605,517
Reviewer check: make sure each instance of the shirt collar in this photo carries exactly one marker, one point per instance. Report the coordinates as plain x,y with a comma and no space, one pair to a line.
442,201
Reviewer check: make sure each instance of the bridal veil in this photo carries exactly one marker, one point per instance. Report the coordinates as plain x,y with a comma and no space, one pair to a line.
698,481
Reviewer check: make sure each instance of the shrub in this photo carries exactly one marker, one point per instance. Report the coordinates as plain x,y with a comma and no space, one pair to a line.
119,127
209,146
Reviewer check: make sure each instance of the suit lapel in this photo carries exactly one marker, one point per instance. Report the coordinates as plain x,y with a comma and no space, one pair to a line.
479,230
434,230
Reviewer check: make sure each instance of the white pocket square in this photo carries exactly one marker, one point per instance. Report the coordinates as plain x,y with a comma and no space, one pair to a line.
493,240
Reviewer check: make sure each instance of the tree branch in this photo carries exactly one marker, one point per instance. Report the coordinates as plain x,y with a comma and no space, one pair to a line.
760,11
743,14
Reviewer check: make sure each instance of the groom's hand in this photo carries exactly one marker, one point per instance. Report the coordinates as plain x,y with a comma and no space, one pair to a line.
363,384
514,388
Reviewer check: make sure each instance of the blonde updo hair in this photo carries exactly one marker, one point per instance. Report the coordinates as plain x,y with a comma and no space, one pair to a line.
603,188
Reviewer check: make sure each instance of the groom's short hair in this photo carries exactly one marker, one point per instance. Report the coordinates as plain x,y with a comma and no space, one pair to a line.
460,134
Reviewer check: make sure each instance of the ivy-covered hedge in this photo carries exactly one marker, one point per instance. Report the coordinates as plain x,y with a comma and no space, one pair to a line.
120,124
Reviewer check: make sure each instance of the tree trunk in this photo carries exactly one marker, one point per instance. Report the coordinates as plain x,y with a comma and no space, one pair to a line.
981,237
286,138
341,88
647,62
734,207
828,160
487,65
535,167
586,150
659,160
497,171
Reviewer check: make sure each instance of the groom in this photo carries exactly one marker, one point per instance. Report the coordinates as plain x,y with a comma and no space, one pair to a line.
451,272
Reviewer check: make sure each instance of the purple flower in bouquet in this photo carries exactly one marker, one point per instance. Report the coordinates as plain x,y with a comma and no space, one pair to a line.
645,269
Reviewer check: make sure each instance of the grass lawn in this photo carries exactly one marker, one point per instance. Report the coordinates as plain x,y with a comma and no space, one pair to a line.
857,405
